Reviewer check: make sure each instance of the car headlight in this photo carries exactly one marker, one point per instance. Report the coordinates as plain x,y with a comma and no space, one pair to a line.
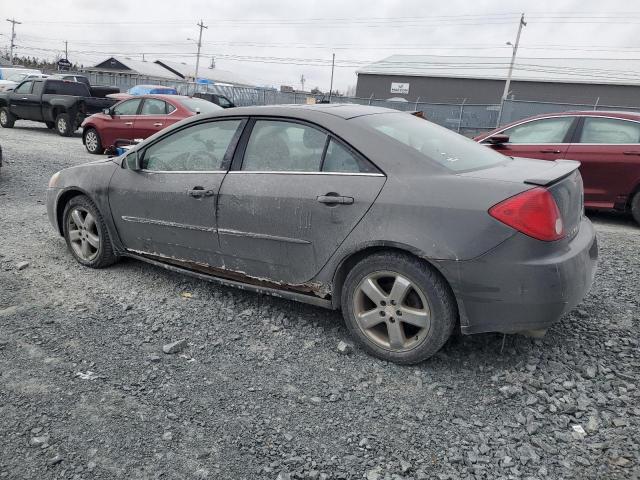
53,181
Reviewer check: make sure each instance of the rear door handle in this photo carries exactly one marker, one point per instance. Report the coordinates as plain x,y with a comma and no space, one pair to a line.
335,200
157,124
632,153
550,150
198,192
24,98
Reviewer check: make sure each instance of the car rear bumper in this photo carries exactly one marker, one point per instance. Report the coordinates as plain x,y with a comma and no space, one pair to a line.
523,284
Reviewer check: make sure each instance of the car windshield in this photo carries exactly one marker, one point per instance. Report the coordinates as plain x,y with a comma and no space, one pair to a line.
435,143
18,77
198,105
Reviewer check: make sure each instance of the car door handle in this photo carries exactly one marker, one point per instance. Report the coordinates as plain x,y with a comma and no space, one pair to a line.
550,150
128,123
24,98
335,200
199,192
631,153
157,124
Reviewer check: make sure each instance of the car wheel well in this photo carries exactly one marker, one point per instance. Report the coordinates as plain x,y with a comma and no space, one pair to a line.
62,203
634,192
349,262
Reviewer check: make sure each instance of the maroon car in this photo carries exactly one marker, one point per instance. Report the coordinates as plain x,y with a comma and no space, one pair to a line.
138,118
606,143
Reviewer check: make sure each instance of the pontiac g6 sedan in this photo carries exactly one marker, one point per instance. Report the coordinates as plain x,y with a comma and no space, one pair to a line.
407,227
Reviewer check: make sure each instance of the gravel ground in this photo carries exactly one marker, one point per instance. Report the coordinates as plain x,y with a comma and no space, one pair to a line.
259,389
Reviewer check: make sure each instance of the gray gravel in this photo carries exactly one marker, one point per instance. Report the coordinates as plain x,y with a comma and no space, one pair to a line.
263,388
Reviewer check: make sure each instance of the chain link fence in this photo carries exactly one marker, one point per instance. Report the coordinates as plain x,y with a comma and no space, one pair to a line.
465,118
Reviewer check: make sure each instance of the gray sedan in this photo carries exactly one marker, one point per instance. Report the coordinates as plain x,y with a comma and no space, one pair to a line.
410,229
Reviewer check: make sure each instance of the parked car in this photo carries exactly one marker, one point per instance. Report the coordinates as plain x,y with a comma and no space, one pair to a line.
10,83
606,143
408,227
138,118
152,89
218,99
57,103
101,91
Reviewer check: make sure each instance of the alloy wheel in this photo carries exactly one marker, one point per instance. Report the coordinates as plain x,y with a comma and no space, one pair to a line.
83,233
3,117
62,124
91,140
391,311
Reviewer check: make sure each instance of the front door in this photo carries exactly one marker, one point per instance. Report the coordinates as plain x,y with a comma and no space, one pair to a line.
544,139
120,125
168,209
20,99
609,152
293,200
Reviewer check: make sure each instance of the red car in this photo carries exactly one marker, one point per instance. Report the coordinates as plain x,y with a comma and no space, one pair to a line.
606,143
138,118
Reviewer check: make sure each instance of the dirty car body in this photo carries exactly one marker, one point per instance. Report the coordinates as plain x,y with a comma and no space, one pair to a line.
260,213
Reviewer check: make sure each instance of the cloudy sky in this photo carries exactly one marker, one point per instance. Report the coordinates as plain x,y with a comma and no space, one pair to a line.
274,42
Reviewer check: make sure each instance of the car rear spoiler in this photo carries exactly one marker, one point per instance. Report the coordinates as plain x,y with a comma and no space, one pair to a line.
559,170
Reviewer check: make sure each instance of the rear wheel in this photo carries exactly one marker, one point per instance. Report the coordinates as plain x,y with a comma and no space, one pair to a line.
86,233
64,125
398,307
92,141
7,120
635,207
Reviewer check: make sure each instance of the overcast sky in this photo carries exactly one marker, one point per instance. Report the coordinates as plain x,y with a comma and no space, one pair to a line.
273,42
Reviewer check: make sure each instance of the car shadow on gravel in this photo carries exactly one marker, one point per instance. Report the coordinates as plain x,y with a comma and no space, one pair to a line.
45,130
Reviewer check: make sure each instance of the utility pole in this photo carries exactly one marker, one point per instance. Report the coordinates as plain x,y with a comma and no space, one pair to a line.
201,25
333,62
302,80
66,50
507,84
13,22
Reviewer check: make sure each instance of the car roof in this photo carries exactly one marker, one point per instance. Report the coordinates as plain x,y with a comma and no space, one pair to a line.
341,110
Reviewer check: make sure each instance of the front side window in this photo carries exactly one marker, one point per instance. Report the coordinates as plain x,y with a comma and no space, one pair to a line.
196,148
434,143
547,130
153,106
609,130
24,88
130,107
277,146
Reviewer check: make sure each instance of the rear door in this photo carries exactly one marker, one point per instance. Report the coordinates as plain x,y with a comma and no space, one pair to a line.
292,197
155,114
168,209
544,138
120,125
609,151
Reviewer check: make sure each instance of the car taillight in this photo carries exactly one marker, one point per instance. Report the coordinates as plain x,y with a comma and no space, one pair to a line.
534,213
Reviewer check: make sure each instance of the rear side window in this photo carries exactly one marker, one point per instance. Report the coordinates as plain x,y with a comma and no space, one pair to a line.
59,87
436,144
153,106
340,159
547,130
130,107
609,130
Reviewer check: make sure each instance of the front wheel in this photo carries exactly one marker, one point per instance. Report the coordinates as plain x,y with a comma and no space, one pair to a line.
86,233
92,141
7,120
399,308
635,207
64,125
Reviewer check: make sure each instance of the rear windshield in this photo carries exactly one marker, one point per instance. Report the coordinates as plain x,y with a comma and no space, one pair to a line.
435,143
199,105
62,87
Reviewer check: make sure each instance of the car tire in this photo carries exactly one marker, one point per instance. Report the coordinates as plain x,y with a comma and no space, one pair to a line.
414,311
86,234
92,141
50,125
7,120
635,207
63,125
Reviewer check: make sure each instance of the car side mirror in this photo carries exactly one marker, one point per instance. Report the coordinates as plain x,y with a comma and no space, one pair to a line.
134,161
498,139
107,111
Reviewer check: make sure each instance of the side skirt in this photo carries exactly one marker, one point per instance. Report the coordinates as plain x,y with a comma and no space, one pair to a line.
298,297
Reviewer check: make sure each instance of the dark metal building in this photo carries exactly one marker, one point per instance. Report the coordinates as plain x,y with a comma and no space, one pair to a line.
475,80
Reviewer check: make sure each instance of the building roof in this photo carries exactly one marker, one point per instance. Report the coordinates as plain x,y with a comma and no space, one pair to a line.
130,65
615,71
216,75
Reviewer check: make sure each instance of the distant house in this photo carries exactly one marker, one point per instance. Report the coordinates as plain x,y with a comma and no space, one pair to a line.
125,70
205,74
481,80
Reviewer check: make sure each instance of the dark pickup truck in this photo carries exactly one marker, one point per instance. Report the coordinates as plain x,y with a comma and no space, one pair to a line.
60,104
